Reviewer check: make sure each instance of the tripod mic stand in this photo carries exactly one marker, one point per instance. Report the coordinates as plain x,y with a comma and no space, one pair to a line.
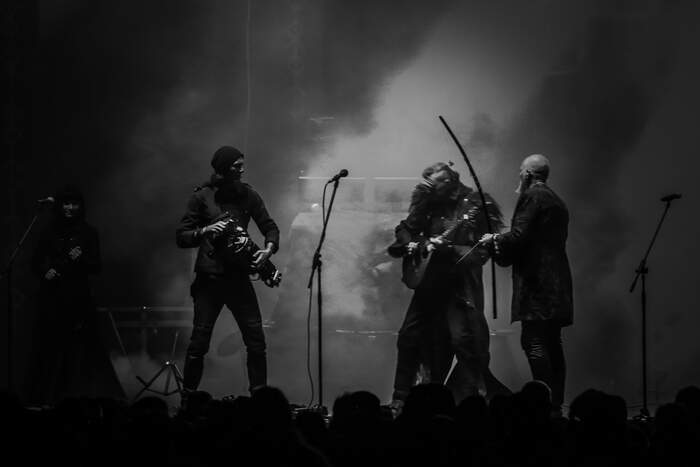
317,265
642,271
172,372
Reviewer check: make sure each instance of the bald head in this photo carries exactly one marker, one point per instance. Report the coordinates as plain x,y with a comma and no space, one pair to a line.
537,166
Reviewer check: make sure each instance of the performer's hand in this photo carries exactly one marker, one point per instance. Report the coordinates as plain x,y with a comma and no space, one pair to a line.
436,243
260,256
75,253
487,239
491,239
216,227
427,183
411,248
51,274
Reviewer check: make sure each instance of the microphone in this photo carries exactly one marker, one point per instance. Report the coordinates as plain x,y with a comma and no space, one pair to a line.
339,175
671,197
47,200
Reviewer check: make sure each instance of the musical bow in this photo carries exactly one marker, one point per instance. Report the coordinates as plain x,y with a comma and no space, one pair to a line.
484,209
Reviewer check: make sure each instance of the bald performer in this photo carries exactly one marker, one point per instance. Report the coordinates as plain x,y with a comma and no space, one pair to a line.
542,292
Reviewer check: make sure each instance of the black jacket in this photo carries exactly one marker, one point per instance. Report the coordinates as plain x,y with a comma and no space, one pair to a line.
52,249
202,210
427,216
536,248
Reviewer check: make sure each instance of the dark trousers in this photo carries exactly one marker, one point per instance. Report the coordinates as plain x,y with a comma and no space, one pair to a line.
439,324
210,294
69,359
541,341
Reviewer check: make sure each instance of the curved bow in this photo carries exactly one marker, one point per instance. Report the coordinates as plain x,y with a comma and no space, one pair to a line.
484,209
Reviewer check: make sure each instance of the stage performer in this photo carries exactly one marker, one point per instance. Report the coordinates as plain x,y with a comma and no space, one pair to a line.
218,283
542,286
445,316
69,357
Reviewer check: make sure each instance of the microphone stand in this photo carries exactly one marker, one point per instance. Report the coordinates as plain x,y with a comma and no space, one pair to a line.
317,265
642,271
7,272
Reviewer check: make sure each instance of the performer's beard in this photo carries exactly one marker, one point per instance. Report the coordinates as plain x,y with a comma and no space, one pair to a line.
523,184
519,188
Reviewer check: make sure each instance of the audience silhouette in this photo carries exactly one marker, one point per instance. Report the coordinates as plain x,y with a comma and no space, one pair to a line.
518,430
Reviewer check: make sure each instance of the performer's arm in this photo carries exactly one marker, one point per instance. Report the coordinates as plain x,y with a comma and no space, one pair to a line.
265,223
189,233
510,242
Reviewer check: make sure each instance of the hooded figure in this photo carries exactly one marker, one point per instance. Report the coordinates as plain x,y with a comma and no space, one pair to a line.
69,358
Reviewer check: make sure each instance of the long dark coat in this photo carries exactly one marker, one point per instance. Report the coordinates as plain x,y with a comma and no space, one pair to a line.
536,248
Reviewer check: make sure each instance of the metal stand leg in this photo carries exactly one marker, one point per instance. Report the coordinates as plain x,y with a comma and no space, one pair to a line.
172,372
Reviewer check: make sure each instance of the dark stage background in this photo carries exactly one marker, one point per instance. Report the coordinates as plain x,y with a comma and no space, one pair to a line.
130,99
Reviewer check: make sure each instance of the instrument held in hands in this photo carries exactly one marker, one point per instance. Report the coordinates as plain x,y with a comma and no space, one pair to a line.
235,248
416,263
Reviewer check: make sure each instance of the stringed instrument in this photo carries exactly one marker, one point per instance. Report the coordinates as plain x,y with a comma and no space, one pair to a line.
416,263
